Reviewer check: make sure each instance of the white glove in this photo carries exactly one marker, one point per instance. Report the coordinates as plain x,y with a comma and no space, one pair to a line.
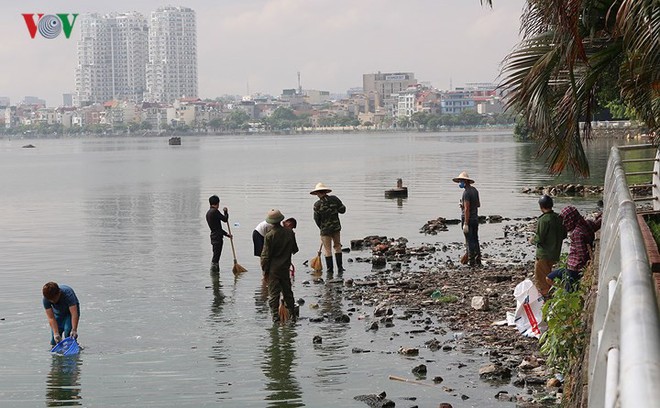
466,229
74,334
57,338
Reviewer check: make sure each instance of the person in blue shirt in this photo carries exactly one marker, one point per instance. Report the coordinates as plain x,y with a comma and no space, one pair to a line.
62,310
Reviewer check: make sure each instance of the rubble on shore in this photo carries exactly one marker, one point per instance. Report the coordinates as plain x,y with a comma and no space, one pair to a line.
426,289
564,190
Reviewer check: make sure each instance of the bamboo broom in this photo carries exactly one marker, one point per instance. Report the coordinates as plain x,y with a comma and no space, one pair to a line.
315,263
283,311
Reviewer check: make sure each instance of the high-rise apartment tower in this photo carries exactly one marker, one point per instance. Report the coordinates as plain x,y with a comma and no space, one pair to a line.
112,58
172,65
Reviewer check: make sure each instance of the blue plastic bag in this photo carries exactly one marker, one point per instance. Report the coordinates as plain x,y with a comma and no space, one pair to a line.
66,347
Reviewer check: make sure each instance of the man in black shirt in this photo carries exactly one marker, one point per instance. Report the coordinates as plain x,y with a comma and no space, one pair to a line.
215,218
470,204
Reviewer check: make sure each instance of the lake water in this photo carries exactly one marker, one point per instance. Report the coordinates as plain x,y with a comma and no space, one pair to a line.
121,220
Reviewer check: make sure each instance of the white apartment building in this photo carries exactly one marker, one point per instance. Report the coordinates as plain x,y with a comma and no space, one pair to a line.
112,58
172,65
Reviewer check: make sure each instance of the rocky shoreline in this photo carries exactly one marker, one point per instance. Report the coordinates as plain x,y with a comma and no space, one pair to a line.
428,290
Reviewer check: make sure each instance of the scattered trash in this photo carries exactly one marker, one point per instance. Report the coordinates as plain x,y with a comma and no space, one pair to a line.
529,309
395,378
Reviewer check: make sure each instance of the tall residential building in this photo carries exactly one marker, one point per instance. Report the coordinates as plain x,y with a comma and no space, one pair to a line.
112,58
172,66
382,85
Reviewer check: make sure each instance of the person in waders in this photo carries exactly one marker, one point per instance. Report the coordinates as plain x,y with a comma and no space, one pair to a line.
470,217
326,215
279,244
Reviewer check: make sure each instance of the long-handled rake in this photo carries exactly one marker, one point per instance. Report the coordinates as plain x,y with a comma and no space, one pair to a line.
237,267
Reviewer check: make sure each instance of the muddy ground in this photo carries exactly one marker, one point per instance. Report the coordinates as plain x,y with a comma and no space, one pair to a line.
408,282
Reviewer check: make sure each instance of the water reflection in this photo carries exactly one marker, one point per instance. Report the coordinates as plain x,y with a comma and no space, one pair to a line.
218,296
219,348
332,368
63,383
261,300
284,389
399,201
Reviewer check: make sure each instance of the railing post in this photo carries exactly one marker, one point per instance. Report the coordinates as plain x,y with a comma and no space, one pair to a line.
624,353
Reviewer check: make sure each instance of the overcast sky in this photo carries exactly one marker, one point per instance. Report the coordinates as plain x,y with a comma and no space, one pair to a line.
264,43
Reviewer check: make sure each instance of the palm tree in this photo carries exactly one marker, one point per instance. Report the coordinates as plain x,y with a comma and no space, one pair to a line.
570,51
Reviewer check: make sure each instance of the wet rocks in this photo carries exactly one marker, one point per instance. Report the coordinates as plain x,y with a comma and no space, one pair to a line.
494,372
420,370
317,340
432,227
564,190
375,400
409,351
404,293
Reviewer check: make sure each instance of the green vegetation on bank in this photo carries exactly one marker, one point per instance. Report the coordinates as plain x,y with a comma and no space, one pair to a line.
580,60
562,343
282,119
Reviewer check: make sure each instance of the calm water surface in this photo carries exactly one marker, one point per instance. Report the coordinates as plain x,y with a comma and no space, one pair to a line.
122,222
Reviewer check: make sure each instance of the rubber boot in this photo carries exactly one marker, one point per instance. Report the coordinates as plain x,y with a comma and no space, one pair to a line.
328,263
340,266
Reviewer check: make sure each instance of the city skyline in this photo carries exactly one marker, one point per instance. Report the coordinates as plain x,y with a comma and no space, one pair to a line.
260,46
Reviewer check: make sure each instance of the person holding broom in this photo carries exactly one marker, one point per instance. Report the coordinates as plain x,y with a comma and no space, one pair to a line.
215,218
326,215
279,244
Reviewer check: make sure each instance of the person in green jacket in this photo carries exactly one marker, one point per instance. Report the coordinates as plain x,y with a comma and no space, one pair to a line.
326,215
550,235
279,244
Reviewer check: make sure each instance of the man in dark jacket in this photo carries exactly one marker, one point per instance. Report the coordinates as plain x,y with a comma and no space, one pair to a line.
470,217
215,218
550,234
279,245
326,215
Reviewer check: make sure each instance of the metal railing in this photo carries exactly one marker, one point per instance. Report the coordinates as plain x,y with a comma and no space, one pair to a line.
624,352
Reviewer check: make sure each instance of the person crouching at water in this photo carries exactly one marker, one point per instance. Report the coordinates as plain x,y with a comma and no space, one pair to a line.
582,234
470,217
62,310
279,245
258,235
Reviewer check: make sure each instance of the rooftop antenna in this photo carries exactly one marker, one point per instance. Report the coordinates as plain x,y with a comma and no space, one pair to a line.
299,85
248,87
450,84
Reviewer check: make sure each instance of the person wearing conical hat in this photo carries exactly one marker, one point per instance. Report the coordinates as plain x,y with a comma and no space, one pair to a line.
279,244
326,215
470,217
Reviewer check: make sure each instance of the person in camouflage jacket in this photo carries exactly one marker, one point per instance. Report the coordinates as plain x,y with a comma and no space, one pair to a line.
326,215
